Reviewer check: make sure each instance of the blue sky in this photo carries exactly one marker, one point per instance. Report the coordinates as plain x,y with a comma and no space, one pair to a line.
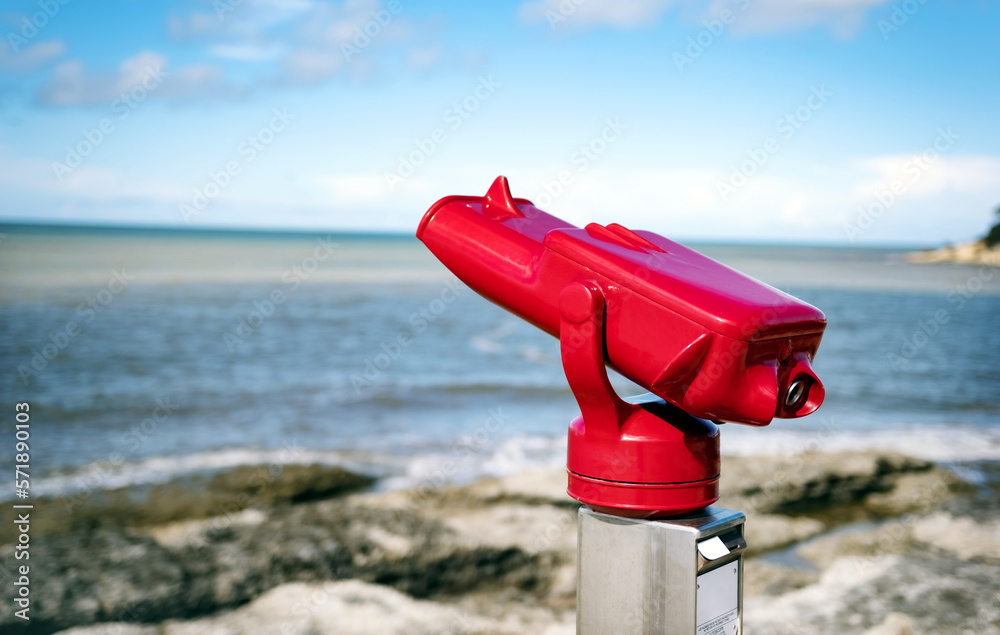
834,121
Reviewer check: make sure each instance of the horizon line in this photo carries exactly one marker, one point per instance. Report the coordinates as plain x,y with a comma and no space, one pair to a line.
117,227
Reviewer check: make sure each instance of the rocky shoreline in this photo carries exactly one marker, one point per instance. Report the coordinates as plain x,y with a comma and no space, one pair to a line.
969,253
860,542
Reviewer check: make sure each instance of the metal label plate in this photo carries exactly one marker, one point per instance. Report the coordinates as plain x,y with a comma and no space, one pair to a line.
718,611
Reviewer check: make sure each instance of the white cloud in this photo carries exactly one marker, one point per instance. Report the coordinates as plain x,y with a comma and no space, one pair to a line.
678,202
423,58
85,182
353,189
311,66
248,20
634,193
245,52
685,202
843,17
953,202
623,14
31,57
194,25
926,198
306,38
930,174
792,203
312,41
72,84
103,184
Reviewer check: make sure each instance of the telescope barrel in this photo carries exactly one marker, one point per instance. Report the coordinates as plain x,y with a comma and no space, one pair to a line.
714,342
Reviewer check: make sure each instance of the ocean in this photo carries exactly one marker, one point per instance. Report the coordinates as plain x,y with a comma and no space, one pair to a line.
152,354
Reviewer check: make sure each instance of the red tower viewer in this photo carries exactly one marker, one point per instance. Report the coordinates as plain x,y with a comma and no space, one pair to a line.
711,343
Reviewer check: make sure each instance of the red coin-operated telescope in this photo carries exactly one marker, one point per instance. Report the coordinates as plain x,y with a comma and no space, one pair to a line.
709,342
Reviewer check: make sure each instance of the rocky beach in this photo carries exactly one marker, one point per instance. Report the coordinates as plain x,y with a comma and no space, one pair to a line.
850,542
968,253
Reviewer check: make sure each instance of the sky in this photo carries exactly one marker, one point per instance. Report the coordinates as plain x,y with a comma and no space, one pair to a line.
802,121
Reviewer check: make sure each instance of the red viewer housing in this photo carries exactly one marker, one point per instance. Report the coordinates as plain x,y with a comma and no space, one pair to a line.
713,342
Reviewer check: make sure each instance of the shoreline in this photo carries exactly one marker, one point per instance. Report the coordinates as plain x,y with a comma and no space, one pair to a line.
967,253
317,550
944,444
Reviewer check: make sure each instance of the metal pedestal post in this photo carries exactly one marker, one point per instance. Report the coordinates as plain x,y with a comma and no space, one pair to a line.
674,576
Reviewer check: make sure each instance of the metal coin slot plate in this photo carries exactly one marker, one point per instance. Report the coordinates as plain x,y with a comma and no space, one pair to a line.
718,600
727,545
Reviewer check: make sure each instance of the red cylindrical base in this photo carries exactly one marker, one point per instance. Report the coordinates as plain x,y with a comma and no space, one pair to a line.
660,461
642,500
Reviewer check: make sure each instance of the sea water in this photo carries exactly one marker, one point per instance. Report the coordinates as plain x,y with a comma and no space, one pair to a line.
148,354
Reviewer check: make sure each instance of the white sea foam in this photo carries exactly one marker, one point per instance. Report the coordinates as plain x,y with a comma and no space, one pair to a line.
456,466
462,465
160,469
934,443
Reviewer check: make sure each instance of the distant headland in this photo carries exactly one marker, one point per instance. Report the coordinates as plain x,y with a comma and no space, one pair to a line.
985,251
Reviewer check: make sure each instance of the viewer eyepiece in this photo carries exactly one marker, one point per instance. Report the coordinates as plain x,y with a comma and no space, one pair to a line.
796,394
